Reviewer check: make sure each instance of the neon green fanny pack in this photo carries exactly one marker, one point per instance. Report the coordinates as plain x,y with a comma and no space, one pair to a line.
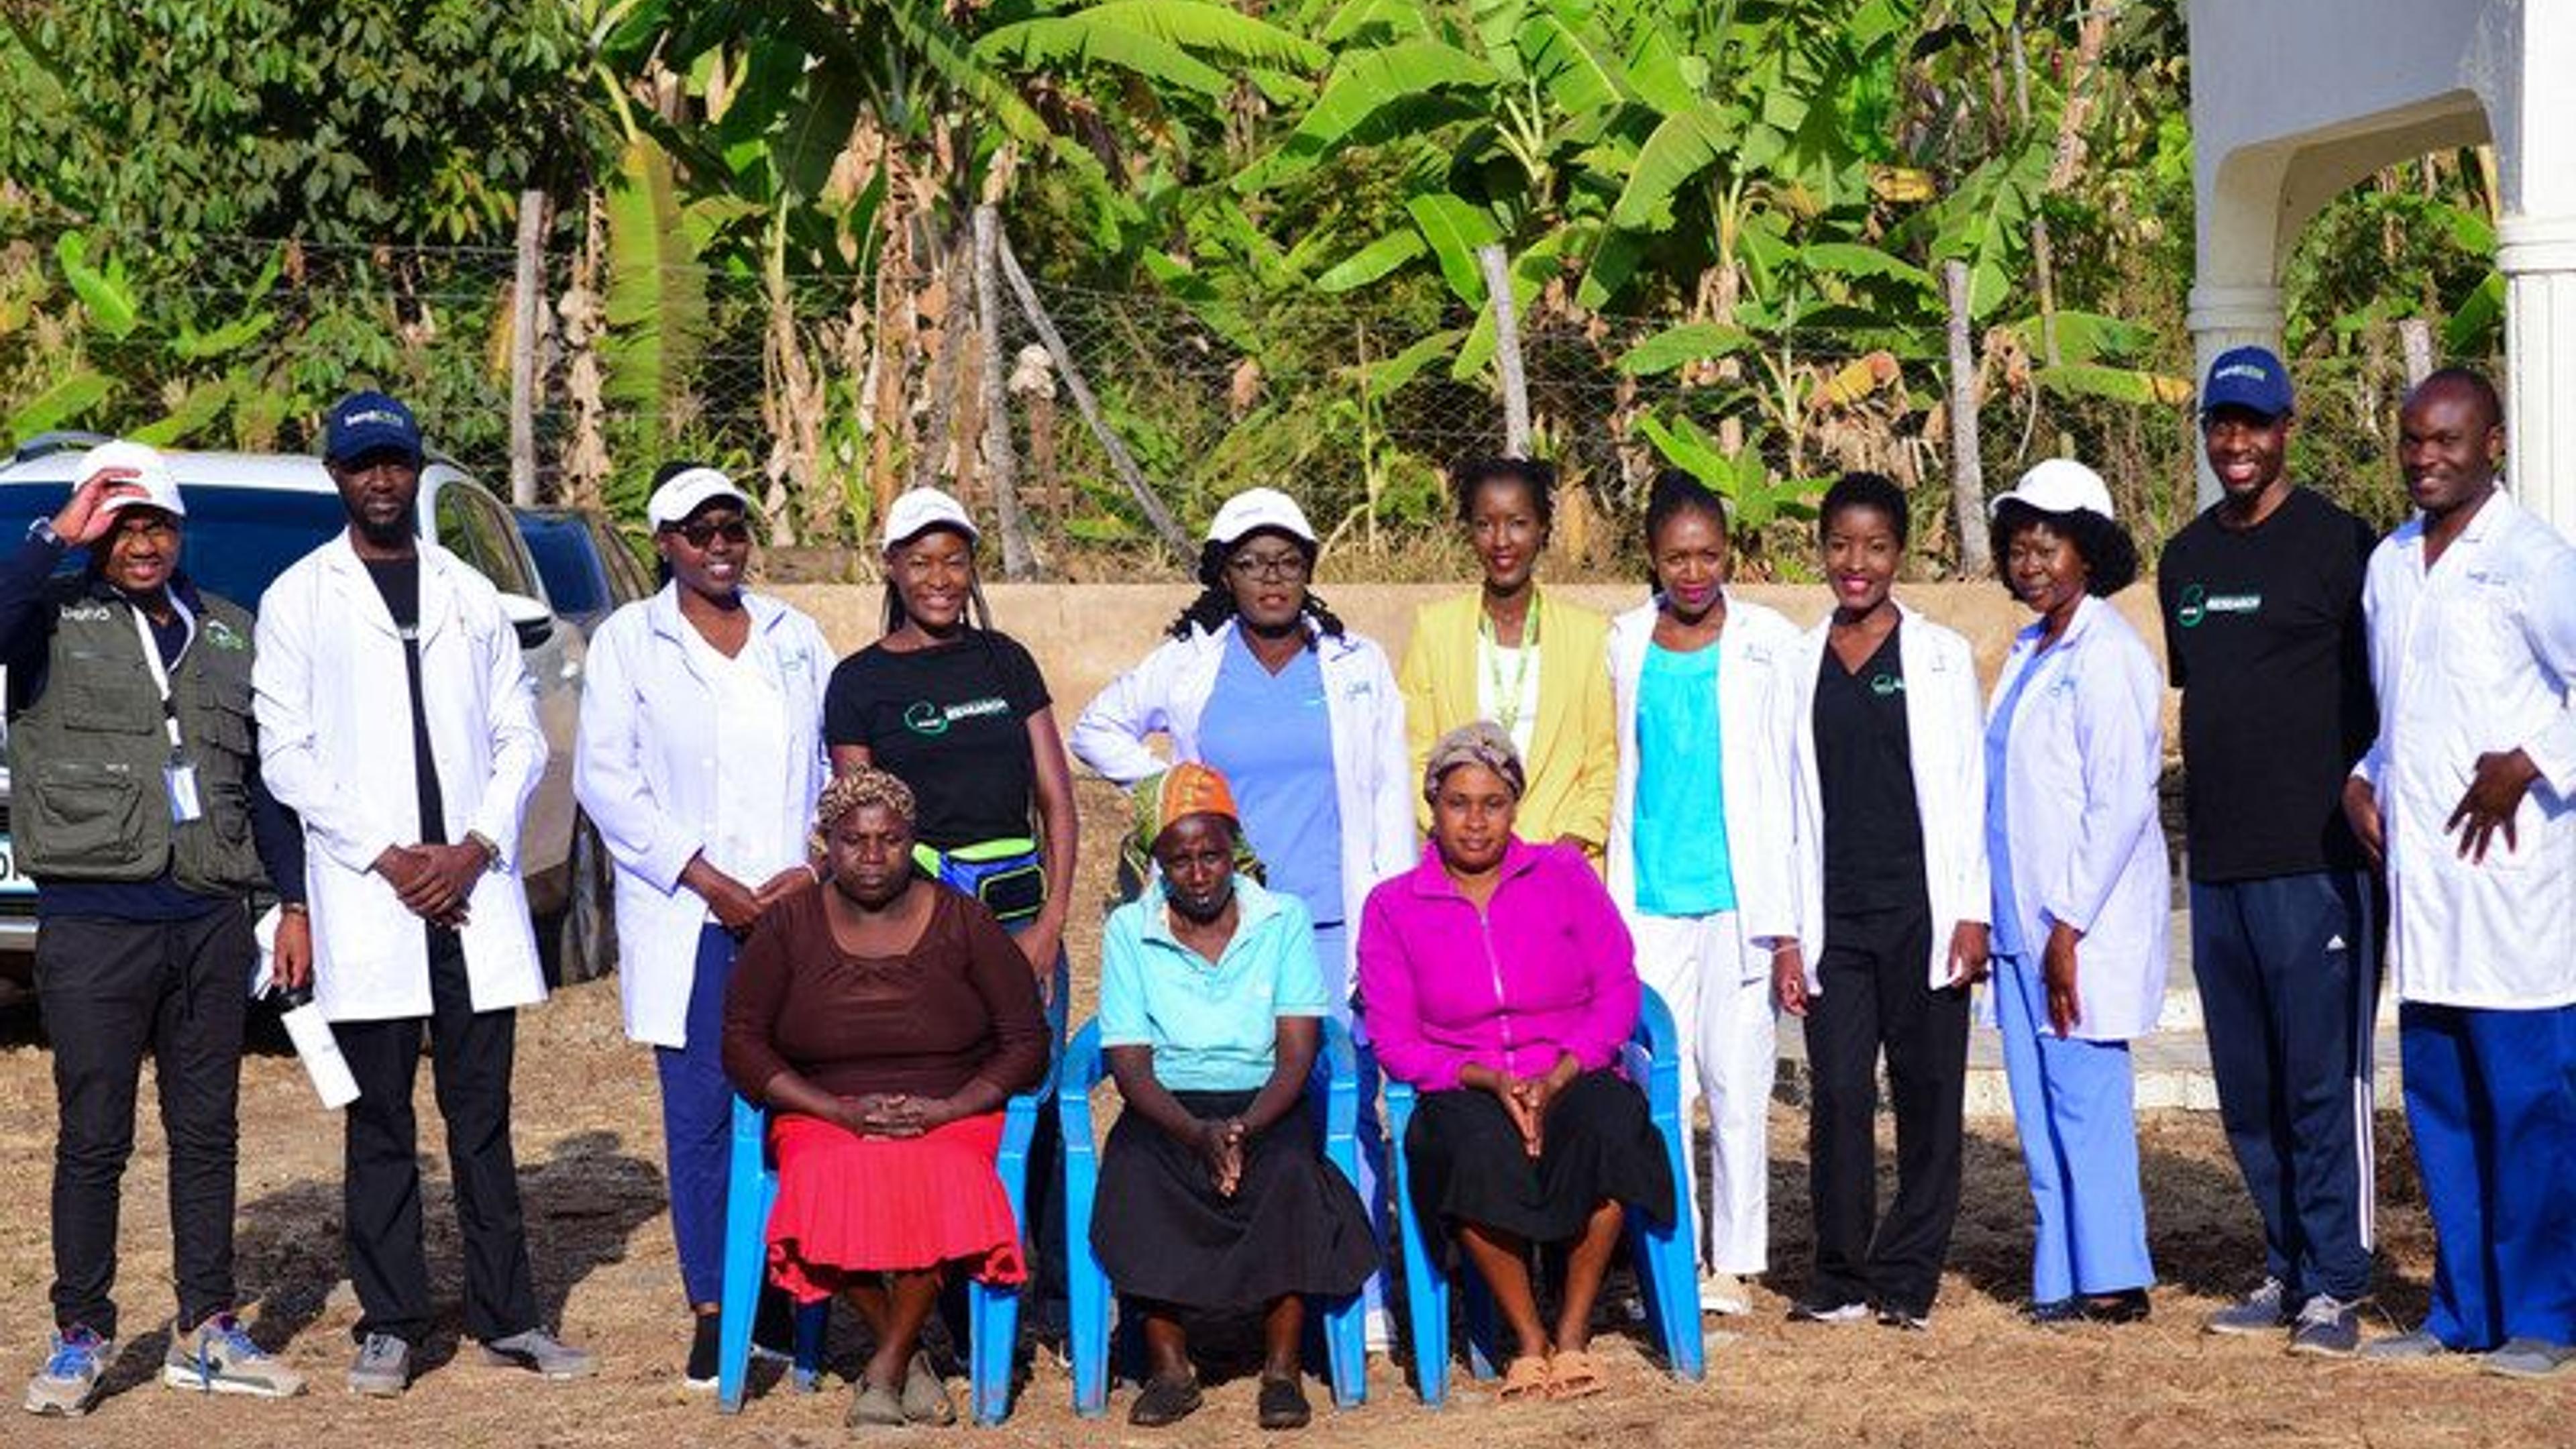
1008,876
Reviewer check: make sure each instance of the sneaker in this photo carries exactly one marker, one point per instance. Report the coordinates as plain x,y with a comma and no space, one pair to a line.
706,1341
68,1383
541,1352
2418,1344
2328,1327
1904,1318
1808,1310
1375,1335
1724,1294
382,1369
219,1358
2265,1310
2529,1358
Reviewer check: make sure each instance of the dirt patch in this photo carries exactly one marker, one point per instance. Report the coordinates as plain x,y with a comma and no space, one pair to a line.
590,1160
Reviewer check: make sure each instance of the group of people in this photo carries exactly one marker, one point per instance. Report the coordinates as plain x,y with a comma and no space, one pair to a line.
841,892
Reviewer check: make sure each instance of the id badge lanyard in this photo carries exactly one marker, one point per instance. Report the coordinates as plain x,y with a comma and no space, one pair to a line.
179,776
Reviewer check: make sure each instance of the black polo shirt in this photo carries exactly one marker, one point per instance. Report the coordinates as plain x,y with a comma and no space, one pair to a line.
1865,778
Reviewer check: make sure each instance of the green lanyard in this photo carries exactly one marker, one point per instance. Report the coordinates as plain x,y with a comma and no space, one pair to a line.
1507,704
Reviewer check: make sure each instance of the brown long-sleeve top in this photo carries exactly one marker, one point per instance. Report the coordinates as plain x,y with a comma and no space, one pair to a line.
961,1005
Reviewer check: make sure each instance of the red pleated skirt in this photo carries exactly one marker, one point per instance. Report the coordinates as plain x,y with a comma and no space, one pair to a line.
850,1205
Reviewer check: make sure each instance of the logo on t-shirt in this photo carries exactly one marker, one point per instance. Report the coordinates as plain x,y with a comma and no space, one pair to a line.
1883,685
2197,603
925,718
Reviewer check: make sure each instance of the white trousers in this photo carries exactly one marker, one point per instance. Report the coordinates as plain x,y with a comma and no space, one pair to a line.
1721,1005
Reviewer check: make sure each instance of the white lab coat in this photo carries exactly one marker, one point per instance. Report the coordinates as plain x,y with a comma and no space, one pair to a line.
2078,792
1757,652
1372,771
645,772
1945,735
2476,656
335,747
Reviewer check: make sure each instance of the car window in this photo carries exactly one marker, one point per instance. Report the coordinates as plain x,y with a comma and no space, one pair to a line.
234,541
625,565
476,528
562,548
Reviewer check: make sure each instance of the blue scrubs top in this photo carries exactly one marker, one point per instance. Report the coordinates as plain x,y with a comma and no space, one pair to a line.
1270,735
1683,866
2007,913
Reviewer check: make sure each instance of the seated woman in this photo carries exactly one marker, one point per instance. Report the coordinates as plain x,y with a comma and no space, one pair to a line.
1213,1198
1497,978
884,1020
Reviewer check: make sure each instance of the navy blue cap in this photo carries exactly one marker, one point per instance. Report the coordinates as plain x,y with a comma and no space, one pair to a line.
2251,378
367,422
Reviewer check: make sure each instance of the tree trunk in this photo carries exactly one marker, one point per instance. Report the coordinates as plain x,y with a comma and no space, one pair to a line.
1967,469
527,308
1507,350
1001,465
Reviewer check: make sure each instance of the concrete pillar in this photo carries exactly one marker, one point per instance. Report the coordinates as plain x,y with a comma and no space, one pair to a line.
2537,255
2222,317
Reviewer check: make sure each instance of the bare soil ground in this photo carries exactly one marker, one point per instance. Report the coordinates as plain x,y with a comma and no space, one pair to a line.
591,1171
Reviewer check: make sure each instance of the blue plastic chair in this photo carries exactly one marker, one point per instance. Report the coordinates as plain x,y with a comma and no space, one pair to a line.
1667,1275
1087,1285
993,1313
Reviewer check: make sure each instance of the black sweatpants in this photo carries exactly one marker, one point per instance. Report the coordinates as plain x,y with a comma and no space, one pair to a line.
1876,996
470,1060
112,991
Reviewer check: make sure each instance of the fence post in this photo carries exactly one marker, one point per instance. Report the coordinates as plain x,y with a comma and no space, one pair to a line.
526,302
1001,462
1967,469
1507,349
1119,458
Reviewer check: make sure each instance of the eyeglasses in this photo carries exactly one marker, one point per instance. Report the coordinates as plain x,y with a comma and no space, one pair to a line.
1283,567
707,530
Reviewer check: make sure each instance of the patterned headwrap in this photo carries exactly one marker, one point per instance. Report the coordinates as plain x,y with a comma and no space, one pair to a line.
861,787
1479,742
1188,788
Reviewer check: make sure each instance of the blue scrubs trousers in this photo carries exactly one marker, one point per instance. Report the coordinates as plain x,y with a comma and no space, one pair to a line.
697,1121
1332,945
2491,1096
2075,1109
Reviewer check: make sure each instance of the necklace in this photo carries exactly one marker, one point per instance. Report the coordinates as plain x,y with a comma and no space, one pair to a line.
1507,703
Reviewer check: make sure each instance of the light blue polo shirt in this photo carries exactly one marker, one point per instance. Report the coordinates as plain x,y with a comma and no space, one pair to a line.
1213,1028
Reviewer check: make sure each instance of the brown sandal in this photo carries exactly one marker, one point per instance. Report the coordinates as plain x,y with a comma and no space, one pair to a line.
1526,1377
1575,1375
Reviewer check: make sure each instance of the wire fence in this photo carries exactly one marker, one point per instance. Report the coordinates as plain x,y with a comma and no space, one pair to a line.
834,391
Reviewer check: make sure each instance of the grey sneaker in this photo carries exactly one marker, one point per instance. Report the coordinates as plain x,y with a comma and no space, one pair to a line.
382,1369
219,1358
2265,1310
2529,1358
2418,1344
2328,1327
542,1352
68,1383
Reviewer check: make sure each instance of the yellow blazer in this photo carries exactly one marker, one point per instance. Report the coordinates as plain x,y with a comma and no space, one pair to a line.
1574,747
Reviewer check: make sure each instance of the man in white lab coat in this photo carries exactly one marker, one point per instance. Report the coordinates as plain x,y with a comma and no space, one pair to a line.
420,919
2466,796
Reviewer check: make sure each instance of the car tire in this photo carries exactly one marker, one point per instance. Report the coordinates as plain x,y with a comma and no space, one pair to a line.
585,931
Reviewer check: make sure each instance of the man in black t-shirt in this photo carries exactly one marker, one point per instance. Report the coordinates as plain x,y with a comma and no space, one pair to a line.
2261,598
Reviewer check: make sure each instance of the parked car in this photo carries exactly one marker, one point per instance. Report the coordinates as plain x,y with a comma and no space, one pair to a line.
589,568
252,514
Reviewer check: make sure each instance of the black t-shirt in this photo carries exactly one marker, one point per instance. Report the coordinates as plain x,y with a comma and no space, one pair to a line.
951,721
1865,780
398,580
2264,635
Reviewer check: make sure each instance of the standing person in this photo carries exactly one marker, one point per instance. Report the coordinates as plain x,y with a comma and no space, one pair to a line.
1889,758
143,942
700,760
2074,743
421,920
1498,654
1701,835
2466,795
1260,680
2261,598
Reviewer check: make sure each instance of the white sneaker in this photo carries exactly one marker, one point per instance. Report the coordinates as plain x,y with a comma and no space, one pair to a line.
1724,1294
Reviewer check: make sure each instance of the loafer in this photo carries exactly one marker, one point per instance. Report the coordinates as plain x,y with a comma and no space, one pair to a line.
1164,1401
2129,1305
2054,1312
1283,1405
2265,1310
2529,1358
541,1353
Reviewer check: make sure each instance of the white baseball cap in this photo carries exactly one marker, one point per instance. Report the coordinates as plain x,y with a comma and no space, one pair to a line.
687,491
1255,509
2059,485
919,510
151,474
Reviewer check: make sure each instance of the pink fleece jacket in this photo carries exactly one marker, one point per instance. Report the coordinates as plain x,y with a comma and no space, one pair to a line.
1545,968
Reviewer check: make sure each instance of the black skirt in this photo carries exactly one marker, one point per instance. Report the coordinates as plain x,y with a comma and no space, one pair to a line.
1468,1165
1294,1224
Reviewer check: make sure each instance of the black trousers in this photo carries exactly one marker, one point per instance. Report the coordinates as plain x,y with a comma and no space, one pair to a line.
470,1060
112,991
1877,998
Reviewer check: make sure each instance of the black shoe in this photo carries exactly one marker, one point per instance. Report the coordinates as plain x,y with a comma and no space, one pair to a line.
704,1342
1283,1404
2054,1312
1164,1401
1827,1310
1892,1316
2129,1305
